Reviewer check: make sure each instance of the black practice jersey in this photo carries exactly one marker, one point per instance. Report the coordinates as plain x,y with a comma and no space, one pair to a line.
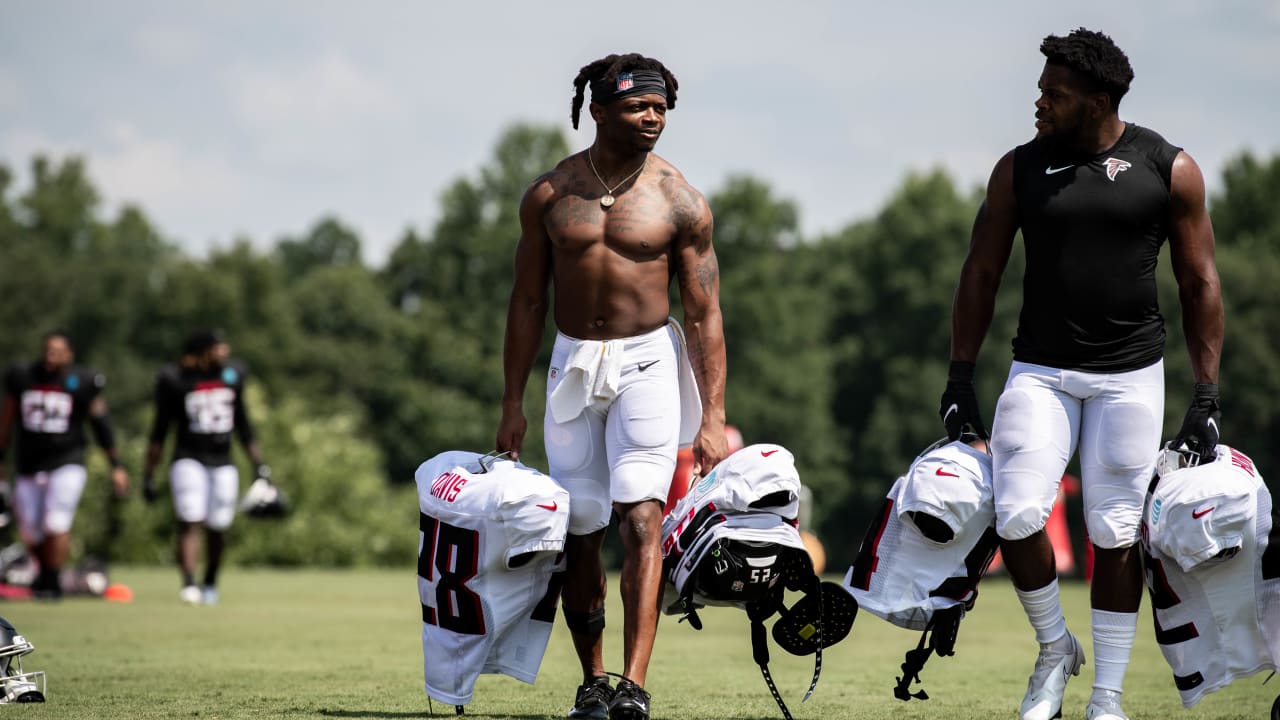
1093,227
207,406
51,412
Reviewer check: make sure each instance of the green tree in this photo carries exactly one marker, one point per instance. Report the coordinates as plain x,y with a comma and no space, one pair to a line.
780,378
465,266
891,281
329,242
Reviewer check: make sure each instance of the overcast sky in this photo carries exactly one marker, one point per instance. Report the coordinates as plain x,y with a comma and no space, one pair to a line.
226,119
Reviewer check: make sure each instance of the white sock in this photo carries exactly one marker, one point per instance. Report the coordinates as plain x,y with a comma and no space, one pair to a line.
1113,634
1044,610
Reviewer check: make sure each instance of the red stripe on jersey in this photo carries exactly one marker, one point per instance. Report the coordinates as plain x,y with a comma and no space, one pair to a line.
209,384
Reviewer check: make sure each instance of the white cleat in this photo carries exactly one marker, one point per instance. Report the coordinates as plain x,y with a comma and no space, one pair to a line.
190,595
1057,662
209,595
1104,705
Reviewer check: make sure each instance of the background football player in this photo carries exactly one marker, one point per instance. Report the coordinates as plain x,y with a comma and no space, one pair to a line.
48,401
203,396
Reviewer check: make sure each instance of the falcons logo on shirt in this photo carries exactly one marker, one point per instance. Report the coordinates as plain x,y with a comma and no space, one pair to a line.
1115,166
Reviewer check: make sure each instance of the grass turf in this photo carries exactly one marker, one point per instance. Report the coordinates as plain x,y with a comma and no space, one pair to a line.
332,644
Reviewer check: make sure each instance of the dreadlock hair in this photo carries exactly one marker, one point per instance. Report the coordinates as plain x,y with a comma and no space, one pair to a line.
607,68
1094,56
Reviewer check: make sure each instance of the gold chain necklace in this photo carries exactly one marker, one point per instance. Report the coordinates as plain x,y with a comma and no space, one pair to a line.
607,200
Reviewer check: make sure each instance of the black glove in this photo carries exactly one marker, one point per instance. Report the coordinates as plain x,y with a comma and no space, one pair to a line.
1200,425
149,492
959,405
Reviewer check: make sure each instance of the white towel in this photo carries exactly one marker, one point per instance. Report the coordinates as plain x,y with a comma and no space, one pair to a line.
592,373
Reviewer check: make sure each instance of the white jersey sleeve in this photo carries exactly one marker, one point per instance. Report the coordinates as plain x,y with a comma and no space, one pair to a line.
489,549
903,577
1213,573
951,483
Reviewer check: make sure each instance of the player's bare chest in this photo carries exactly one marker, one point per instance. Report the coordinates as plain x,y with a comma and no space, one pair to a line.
639,222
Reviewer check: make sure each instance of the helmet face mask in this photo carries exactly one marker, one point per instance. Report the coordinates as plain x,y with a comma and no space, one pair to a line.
17,685
1172,459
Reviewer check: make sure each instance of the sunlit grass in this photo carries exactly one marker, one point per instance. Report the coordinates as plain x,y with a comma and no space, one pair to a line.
346,645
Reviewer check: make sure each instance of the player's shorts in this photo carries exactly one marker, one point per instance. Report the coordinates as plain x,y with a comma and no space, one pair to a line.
1043,414
620,450
204,494
46,502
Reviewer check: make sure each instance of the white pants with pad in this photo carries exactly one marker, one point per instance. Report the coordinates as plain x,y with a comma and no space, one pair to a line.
1044,414
612,431
46,502
204,494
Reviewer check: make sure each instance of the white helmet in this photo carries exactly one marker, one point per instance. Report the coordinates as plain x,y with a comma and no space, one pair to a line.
264,499
16,685
1171,459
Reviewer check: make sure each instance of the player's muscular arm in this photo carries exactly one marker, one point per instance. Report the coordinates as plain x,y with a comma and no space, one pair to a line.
698,275
526,312
989,248
1192,247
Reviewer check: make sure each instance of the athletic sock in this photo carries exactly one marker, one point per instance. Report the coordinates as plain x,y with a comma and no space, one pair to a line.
1044,610
1113,634
187,579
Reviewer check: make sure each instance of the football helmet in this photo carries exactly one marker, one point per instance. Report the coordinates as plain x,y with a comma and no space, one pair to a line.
15,684
1171,459
264,500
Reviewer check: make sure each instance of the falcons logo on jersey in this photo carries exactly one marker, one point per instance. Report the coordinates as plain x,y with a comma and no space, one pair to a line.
1115,166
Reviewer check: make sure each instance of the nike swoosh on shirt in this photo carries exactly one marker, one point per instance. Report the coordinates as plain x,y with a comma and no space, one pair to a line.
1053,170
551,506
767,453
646,366
1197,514
944,473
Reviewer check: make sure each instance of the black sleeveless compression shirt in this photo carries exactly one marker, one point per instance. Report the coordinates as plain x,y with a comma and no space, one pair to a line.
1093,227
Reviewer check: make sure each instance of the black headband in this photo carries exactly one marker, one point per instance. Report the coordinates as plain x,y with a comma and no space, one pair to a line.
635,82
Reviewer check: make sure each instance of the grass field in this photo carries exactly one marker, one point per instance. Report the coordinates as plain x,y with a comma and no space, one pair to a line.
320,644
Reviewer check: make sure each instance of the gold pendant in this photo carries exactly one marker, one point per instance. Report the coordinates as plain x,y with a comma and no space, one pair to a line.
606,200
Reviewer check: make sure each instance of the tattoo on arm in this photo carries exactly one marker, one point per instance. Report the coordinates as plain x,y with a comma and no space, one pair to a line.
707,271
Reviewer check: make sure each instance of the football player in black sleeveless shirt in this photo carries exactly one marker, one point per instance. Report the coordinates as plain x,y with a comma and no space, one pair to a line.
202,395
1094,198
48,402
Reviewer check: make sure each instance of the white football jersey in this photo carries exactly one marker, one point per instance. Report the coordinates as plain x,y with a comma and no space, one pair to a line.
753,495
480,612
756,473
1214,585
904,577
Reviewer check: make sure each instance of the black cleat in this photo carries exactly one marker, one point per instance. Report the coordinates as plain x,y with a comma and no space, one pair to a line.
592,700
630,702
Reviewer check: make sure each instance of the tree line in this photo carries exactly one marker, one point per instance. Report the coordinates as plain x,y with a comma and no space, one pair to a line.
837,345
